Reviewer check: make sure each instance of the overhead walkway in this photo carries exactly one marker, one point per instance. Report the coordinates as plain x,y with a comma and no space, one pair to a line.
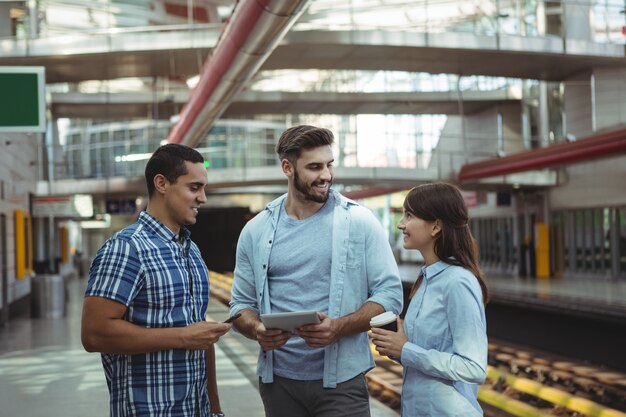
392,178
175,52
545,58
180,51
126,105
152,51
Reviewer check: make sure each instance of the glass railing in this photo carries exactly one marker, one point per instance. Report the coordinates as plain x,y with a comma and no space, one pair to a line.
60,18
121,149
601,21
366,81
407,142
592,20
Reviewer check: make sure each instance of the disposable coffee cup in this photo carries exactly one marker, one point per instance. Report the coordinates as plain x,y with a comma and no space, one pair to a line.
386,320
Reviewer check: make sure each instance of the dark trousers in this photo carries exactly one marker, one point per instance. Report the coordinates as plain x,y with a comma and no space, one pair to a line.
291,398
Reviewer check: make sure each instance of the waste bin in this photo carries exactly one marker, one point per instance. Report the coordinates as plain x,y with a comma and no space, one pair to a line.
48,296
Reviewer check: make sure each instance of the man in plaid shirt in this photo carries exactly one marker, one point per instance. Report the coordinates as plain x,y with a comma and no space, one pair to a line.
147,296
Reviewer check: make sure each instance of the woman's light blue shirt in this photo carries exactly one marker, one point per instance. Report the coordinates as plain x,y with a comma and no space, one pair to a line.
445,357
363,269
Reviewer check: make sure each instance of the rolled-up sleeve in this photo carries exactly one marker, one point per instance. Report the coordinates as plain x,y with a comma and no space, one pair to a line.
243,293
383,277
468,360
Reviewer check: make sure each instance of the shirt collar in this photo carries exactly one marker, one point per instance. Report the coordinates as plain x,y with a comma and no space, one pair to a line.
340,199
431,271
161,230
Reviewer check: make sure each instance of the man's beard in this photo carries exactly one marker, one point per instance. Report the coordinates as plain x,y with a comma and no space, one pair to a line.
307,190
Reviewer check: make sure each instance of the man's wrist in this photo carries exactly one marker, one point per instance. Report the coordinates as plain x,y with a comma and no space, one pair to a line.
219,414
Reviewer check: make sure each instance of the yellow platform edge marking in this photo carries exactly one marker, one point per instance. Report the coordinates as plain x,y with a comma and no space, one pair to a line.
553,395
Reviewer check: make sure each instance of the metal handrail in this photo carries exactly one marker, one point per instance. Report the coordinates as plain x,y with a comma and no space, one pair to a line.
122,31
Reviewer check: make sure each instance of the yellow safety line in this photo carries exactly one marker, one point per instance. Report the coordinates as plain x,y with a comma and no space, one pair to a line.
554,395
510,405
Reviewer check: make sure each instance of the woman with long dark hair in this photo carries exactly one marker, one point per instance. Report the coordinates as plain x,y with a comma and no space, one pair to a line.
442,342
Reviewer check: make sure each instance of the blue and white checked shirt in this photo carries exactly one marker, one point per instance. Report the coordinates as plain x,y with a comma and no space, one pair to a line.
163,283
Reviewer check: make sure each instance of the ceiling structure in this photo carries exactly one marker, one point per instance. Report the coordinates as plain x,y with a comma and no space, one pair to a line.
119,106
179,53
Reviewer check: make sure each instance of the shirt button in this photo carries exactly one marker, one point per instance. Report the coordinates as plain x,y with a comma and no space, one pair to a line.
264,266
270,242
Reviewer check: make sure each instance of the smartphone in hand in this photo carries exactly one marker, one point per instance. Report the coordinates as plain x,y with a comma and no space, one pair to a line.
232,318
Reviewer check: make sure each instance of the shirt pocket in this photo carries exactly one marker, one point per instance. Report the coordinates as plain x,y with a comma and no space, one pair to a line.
356,253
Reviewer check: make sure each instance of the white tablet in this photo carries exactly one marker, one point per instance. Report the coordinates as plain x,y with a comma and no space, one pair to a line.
289,321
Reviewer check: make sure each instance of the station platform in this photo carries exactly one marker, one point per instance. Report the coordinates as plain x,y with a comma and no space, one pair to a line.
44,370
571,318
592,297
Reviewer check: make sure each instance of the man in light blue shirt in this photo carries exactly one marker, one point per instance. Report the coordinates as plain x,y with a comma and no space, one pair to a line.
313,249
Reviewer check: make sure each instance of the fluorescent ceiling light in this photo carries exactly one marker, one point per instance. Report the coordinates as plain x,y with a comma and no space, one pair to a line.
133,157
192,81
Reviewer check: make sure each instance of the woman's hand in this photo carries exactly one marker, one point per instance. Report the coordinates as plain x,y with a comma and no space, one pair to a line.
389,343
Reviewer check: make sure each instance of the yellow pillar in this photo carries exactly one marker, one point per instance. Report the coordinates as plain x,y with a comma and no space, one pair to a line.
20,245
542,250
65,245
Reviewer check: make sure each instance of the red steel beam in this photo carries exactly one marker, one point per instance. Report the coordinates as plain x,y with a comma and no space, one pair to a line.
602,145
250,35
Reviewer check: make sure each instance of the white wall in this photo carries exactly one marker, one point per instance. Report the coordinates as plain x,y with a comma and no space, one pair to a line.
610,97
512,128
598,183
18,173
577,20
481,131
578,107
610,101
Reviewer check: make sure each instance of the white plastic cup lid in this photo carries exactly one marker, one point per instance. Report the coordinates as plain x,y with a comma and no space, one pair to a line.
382,319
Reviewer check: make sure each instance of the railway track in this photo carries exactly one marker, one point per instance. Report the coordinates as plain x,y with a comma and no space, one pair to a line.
520,381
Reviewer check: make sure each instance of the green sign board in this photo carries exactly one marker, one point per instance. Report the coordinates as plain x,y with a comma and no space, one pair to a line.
22,99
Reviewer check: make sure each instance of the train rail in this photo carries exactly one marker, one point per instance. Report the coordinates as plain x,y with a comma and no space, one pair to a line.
520,381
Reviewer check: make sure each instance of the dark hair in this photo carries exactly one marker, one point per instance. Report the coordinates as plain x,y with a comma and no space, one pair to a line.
454,244
297,138
169,161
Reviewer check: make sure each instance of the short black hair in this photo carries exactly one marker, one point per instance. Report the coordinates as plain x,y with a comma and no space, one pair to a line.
169,161
297,138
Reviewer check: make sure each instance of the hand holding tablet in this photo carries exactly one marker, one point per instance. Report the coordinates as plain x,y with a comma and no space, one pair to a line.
289,321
